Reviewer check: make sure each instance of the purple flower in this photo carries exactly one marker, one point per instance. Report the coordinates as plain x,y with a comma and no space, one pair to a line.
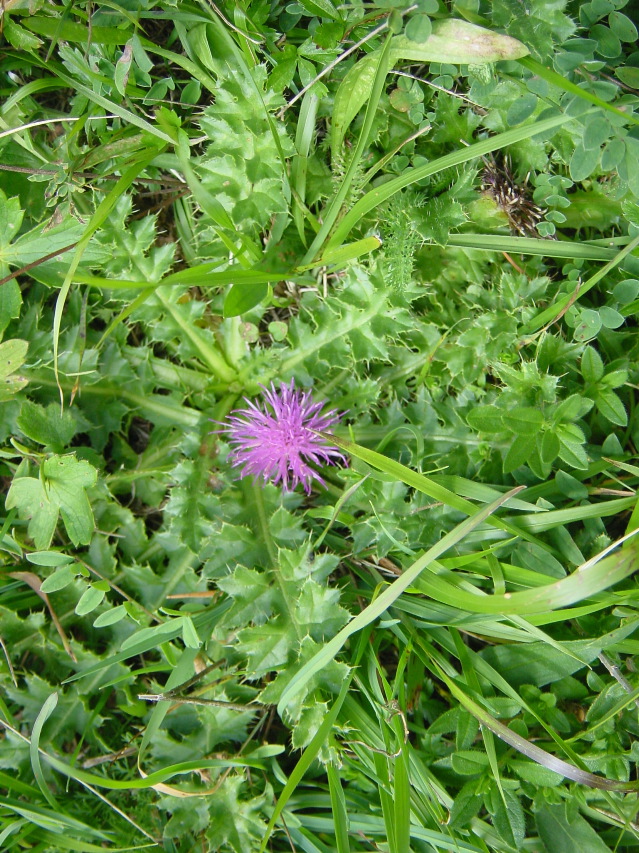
277,439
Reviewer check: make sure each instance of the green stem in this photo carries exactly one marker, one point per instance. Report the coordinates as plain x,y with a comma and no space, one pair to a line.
262,520
210,356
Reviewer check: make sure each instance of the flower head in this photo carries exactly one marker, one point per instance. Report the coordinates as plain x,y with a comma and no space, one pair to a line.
277,439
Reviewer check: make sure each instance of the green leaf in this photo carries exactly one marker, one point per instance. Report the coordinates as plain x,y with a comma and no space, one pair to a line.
592,368
610,317
628,166
523,420
572,408
539,663
59,579
317,610
534,773
123,67
466,731
615,379
521,109
418,28
189,634
11,216
458,42
571,448
517,454
338,799
49,558
560,835
12,356
236,821
320,8
10,303
596,131
242,173
623,27
549,449
629,75
352,94
253,596
242,297
570,486
74,32
89,600
508,816
348,252
466,805
608,43
34,747
469,762
28,495
531,245
486,419
613,153
588,325
626,291
110,617
540,467
49,426
583,162
268,646
60,490
19,37
452,41
611,407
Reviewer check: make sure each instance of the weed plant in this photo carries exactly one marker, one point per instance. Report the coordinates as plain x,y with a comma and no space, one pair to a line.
400,239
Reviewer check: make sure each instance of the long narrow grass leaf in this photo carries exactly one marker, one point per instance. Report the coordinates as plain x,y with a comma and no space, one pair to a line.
380,194
34,748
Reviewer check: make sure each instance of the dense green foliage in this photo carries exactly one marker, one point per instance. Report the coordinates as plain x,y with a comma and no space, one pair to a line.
428,214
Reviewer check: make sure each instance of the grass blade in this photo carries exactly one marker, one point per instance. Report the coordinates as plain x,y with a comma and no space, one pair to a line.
34,749
338,805
380,194
556,79
307,758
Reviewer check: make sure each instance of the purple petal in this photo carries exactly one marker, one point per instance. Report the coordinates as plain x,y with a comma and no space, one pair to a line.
276,438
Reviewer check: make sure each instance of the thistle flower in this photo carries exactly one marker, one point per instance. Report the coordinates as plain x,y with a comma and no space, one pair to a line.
277,439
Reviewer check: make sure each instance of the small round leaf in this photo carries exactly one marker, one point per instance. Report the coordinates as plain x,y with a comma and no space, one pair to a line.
608,43
418,28
623,27
588,325
611,318
625,292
